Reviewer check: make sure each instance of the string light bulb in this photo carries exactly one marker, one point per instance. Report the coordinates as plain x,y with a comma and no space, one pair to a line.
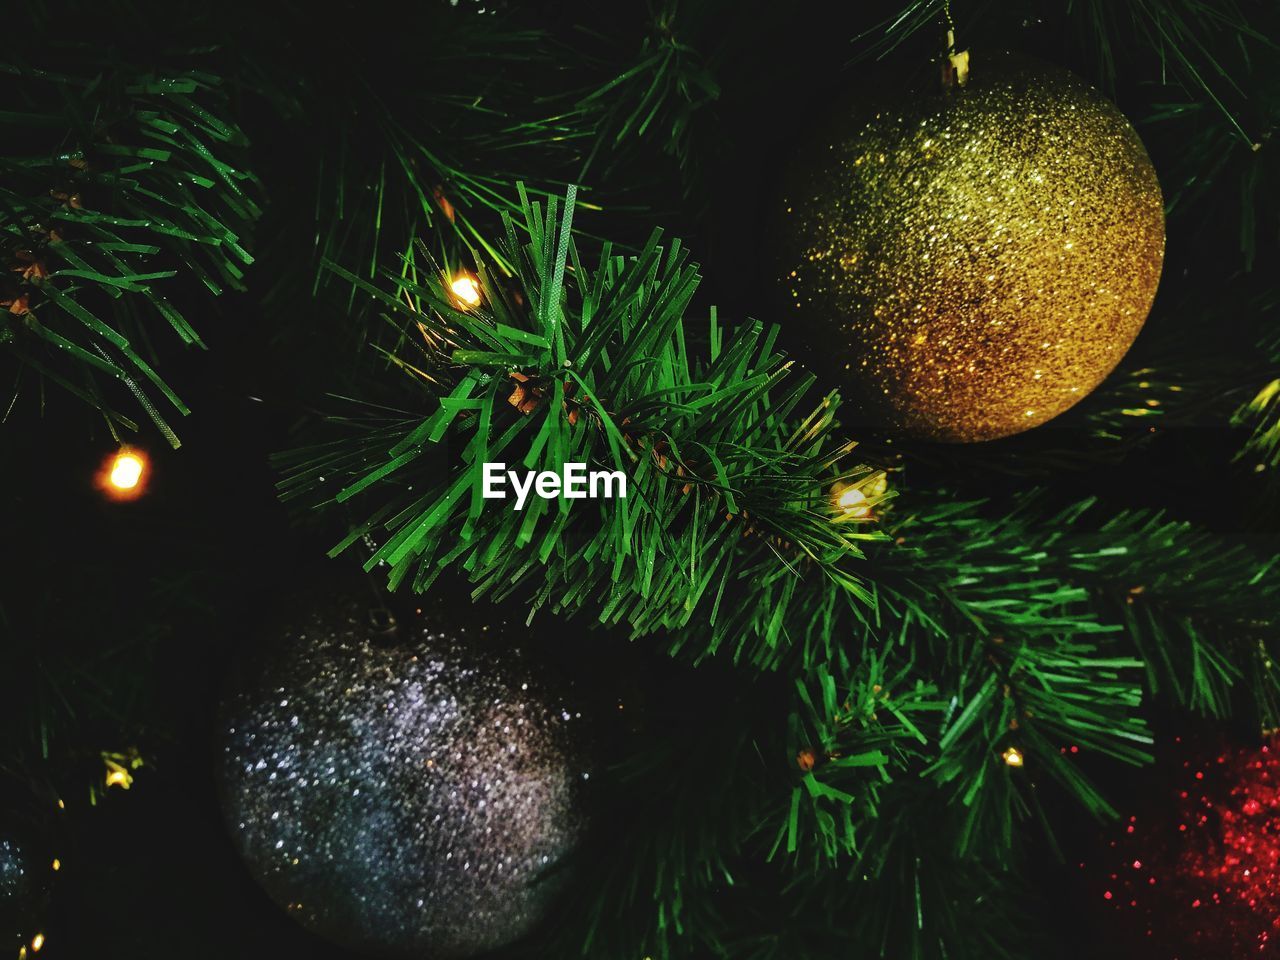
126,471
124,474
852,502
57,864
466,291
876,485
37,943
120,767
1012,757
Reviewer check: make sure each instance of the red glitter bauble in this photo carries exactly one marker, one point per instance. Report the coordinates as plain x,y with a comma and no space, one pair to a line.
1204,885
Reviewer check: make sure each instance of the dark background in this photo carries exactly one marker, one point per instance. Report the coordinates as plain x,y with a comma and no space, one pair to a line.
173,584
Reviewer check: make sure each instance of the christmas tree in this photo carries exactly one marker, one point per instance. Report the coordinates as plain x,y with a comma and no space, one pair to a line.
671,480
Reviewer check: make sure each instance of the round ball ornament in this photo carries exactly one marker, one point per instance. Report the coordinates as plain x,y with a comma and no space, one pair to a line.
29,847
970,262
1195,874
413,793
13,870
16,888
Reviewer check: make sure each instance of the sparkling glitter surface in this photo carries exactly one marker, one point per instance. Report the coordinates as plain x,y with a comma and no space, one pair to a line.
410,799
13,870
971,263
1205,883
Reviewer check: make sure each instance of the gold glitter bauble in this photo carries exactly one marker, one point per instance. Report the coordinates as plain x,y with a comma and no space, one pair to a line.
972,261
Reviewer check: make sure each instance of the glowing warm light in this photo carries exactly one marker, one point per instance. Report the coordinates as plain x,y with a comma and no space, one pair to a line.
126,471
118,775
853,502
22,952
37,942
124,474
1013,757
876,485
466,289
57,864
119,768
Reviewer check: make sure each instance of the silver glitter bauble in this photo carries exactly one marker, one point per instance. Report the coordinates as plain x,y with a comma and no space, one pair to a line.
30,843
412,796
24,886
969,263
15,890
14,882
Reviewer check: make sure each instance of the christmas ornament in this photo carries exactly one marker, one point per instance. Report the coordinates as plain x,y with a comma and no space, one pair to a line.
466,291
28,839
972,261
13,870
123,475
417,796
1199,878
23,896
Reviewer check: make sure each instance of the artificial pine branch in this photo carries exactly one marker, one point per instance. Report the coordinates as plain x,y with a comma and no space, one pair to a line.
1199,608
1196,608
661,93
1259,412
1183,33
418,139
732,543
730,491
117,182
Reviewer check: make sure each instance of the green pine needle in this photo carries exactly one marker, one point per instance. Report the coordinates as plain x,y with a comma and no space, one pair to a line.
143,185
729,489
